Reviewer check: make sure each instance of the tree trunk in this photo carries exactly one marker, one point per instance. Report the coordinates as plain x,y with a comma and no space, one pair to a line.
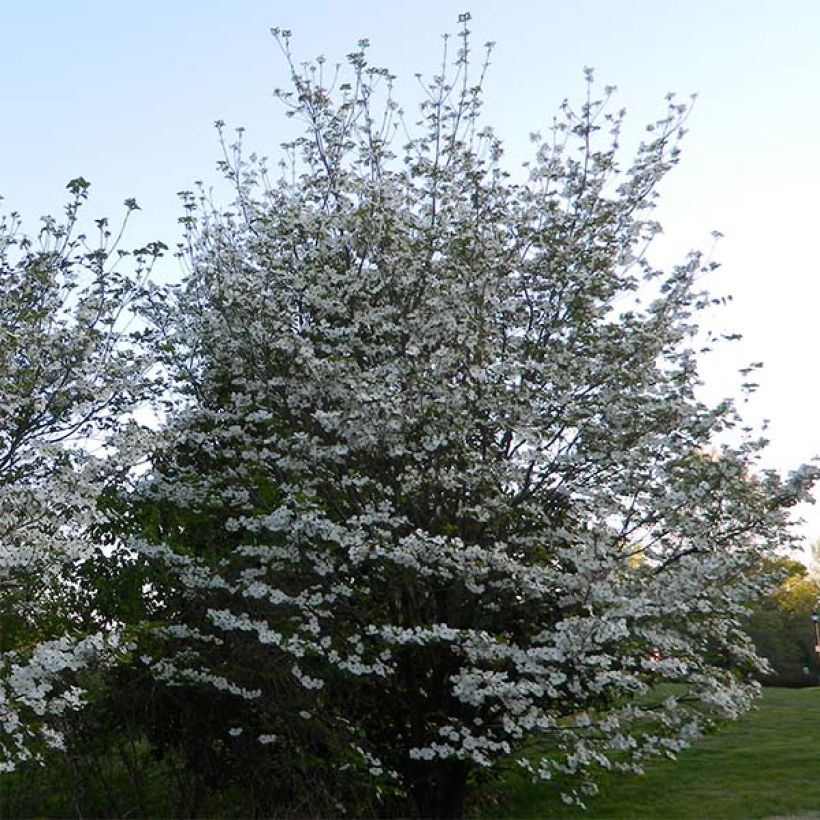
439,788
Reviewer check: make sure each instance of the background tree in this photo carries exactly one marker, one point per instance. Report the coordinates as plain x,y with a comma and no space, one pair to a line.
67,376
814,560
780,626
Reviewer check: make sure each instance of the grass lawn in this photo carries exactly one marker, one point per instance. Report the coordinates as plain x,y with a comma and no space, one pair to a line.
765,765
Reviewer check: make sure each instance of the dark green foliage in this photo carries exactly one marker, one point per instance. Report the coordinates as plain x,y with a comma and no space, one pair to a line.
782,630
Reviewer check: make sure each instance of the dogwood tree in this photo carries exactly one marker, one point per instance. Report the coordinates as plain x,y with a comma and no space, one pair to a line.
66,378
437,493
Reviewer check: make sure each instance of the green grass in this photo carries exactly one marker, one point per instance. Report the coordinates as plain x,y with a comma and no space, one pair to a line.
765,765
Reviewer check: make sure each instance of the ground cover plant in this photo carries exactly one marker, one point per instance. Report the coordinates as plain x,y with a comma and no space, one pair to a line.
432,485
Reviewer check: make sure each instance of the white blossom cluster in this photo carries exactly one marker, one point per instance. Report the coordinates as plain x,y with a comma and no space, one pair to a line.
67,375
33,692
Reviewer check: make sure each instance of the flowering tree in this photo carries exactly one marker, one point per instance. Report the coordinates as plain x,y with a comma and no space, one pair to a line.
66,378
436,492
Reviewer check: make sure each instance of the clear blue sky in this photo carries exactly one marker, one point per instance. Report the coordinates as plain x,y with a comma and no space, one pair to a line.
125,95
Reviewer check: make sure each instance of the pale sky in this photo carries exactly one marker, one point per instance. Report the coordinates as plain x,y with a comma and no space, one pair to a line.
125,95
